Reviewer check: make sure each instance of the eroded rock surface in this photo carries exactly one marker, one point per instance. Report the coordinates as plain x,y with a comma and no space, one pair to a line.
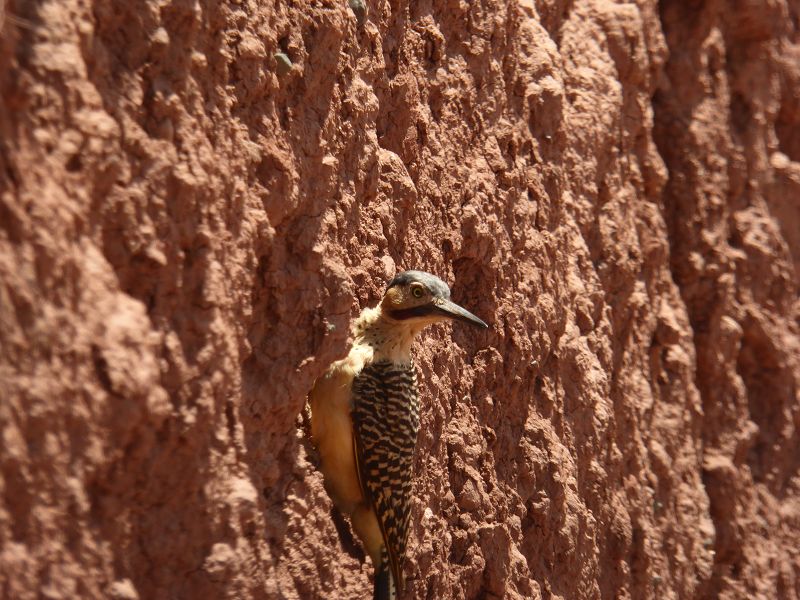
197,196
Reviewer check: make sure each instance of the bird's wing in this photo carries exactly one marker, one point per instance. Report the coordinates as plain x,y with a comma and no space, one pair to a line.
385,424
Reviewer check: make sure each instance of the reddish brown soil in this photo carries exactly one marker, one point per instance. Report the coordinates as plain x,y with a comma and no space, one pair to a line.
188,223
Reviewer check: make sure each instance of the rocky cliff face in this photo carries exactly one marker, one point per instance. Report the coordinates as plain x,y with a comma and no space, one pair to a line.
197,196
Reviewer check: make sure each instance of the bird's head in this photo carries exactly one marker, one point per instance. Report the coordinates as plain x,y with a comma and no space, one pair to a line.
419,298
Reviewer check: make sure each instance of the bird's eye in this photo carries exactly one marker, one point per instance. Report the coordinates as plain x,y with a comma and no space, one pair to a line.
417,292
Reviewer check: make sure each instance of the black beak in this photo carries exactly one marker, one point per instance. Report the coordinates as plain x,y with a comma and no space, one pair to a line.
452,310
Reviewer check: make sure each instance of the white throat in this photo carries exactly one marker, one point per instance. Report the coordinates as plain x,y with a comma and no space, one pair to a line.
388,340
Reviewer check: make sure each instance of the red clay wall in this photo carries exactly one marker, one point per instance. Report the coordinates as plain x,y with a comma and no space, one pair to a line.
188,224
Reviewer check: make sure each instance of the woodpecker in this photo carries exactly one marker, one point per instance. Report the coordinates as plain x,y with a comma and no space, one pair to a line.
365,418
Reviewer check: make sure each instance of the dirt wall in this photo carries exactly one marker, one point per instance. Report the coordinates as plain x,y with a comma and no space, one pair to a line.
197,196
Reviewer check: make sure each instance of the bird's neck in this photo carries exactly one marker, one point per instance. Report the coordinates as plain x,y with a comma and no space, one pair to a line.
388,340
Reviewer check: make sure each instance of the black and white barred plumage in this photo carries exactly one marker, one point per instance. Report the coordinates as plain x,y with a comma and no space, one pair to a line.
385,417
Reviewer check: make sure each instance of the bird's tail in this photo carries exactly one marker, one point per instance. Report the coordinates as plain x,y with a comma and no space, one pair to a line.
385,588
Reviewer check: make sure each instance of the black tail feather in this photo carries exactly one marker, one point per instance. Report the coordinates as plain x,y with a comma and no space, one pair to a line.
384,582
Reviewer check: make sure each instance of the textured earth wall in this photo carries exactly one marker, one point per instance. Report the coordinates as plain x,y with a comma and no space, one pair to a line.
196,197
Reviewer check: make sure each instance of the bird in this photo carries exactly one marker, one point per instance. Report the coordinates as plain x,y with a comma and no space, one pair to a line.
364,413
